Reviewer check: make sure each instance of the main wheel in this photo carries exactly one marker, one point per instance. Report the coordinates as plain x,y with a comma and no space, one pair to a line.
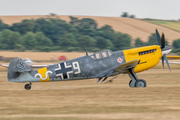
140,83
130,82
27,86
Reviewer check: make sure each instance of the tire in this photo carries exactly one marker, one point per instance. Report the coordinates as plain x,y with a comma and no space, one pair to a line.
130,82
27,86
140,83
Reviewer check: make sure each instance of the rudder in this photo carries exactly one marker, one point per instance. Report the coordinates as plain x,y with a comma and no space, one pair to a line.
16,67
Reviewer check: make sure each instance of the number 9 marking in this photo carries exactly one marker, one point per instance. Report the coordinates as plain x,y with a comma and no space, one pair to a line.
76,66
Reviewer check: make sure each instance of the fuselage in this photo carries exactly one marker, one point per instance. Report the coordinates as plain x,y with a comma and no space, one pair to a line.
94,65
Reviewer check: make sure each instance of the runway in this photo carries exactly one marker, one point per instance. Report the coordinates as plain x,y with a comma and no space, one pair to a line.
85,99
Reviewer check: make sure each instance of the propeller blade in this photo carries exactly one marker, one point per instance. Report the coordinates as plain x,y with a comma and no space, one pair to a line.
162,61
162,41
167,61
158,37
99,79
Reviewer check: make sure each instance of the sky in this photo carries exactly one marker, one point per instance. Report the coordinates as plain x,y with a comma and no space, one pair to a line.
156,9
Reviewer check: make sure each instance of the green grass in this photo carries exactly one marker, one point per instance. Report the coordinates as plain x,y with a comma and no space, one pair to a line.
174,25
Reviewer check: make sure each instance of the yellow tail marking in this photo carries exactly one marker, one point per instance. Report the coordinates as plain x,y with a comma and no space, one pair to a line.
44,74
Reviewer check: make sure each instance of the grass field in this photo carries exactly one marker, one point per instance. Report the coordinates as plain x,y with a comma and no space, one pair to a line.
174,25
84,99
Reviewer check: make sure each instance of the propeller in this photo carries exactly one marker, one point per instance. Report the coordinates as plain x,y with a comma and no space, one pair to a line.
161,42
165,57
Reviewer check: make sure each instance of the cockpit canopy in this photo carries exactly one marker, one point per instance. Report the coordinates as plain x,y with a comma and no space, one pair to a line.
101,54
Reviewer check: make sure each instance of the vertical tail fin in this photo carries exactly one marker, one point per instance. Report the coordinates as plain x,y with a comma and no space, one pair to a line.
17,66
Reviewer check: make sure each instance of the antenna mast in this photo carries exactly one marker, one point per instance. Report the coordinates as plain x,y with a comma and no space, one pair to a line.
86,51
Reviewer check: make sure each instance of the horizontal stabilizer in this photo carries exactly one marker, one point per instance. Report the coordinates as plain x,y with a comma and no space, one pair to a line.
3,65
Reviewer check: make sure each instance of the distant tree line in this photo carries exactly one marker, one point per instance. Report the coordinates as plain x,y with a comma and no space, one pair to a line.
52,34
126,14
153,41
176,46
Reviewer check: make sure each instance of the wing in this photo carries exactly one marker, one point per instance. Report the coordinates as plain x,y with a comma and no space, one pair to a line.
3,65
124,68
32,66
40,66
173,57
172,62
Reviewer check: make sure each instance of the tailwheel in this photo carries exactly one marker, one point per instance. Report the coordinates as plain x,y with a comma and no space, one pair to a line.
140,83
28,86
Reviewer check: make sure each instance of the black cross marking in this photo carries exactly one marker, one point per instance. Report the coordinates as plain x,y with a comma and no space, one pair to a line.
63,70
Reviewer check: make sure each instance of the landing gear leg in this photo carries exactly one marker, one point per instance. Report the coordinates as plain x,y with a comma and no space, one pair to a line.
135,82
28,86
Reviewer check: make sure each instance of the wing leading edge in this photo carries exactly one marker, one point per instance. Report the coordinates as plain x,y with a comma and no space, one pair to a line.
32,66
4,65
124,68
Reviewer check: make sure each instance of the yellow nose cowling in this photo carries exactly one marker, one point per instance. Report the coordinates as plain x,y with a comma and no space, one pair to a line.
149,57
